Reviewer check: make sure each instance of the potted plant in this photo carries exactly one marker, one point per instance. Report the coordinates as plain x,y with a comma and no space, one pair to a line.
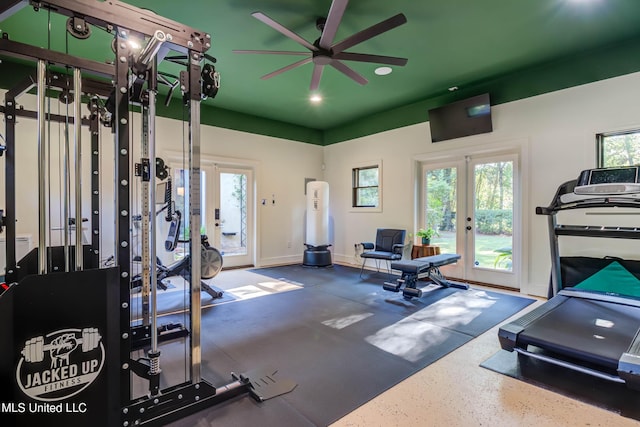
426,234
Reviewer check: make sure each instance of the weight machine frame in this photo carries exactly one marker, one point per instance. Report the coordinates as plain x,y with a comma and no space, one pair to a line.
160,406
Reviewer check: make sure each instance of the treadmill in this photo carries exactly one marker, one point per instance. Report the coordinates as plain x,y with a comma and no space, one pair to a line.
591,325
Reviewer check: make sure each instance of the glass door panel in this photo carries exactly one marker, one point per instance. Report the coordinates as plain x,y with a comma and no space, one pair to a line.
233,216
441,207
441,201
181,197
493,213
233,213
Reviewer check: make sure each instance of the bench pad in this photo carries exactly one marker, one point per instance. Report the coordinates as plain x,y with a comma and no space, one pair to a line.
421,265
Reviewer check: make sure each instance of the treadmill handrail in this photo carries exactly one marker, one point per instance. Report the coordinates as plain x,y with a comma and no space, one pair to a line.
604,201
611,232
600,202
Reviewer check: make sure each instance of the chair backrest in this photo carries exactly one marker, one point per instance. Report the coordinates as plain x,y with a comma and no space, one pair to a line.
387,237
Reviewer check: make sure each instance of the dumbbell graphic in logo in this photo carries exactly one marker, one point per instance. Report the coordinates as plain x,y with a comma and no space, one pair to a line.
61,346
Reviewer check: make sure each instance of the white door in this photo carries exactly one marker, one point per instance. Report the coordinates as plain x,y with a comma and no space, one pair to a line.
232,215
474,202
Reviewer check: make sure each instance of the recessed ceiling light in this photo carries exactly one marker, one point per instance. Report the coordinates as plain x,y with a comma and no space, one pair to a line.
315,98
383,71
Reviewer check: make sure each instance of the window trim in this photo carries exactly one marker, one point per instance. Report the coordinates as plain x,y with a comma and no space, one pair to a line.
360,166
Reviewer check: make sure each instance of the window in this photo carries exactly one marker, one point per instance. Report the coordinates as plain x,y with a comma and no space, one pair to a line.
366,186
618,149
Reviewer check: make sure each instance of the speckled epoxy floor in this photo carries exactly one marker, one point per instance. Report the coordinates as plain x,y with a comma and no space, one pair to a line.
456,391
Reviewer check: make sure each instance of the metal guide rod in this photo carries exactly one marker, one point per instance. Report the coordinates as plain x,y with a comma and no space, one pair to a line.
42,201
152,219
145,260
77,139
65,194
194,238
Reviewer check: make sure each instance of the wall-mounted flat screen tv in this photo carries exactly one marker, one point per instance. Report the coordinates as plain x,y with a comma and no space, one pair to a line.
463,118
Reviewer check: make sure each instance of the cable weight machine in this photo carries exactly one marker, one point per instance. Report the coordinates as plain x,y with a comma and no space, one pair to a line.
70,340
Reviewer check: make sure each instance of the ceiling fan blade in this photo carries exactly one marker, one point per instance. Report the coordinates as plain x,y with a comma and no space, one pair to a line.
287,68
316,76
368,33
365,57
285,31
349,72
333,22
272,52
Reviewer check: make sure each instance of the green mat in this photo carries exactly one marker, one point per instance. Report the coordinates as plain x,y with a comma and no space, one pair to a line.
615,279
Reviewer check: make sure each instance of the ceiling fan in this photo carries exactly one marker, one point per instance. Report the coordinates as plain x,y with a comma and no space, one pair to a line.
325,52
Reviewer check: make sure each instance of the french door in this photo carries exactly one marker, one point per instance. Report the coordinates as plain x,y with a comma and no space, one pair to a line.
473,203
226,210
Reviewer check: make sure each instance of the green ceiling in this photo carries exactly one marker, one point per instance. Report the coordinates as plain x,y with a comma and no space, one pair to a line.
509,48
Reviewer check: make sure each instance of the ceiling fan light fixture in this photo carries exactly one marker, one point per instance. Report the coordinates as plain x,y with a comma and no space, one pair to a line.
383,71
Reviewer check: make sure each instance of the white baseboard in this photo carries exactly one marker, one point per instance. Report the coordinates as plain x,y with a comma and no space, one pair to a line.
280,260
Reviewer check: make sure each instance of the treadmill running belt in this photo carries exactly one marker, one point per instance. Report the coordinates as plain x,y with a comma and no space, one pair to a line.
592,331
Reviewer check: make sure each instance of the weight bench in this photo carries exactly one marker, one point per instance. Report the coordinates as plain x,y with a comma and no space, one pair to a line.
419,268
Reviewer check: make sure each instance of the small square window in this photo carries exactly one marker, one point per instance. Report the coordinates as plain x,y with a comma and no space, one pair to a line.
618,149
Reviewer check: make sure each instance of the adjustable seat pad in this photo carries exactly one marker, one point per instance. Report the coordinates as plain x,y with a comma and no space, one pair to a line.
380,255
421,265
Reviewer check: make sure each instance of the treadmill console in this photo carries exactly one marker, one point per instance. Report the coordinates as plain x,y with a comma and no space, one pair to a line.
596,183
608,181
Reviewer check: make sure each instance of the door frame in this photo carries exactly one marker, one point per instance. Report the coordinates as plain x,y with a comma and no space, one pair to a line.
209,163
444,154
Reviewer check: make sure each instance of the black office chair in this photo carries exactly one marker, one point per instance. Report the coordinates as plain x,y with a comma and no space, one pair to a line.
388,247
